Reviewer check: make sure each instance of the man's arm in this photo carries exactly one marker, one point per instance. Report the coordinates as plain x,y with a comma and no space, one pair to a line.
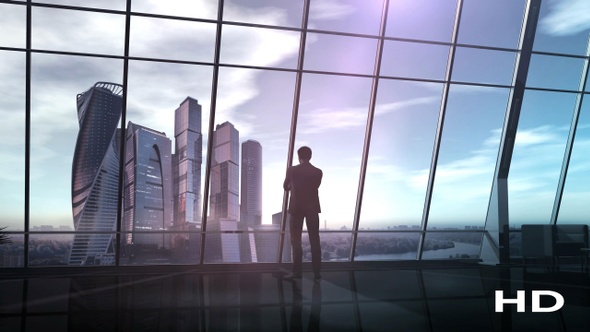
287,182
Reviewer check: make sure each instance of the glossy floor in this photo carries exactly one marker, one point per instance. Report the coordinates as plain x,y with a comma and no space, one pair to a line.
383,298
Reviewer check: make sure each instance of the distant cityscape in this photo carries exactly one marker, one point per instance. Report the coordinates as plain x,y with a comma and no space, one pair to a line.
161,208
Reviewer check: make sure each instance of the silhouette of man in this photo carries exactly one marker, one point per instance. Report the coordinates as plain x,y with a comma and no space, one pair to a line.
303,181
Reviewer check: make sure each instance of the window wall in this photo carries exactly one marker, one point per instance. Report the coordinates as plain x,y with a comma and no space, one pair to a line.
146,133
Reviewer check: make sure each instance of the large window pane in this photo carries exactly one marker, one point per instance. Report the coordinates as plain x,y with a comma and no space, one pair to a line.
172,39
74,149
12,140
538,154
574,204
193,9
276,12
78,31
483,66
259,47
340,54
346,16
164,150
13,25
553,72
457,245
107,4
332,121
250,146
401,150
12,252
467,159
562,28
414,60
376,246
480,19
421,19
54,250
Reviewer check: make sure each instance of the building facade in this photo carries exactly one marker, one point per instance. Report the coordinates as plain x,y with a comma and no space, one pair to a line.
95,174
148,203
251,188
187,161
224,199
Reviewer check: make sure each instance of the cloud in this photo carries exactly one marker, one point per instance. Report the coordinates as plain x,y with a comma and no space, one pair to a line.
325,119
567,17
330,10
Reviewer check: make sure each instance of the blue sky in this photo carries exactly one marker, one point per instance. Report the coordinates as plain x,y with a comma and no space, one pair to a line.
333,109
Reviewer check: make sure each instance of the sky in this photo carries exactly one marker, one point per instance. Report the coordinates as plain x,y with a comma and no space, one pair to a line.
332,108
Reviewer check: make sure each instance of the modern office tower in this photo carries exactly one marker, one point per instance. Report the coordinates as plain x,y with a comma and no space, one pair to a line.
147,183
224,200
95,174
187,161
251,189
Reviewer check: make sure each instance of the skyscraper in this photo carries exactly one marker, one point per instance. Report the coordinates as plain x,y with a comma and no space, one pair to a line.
187,162
147,187
224,200
251,189
95,173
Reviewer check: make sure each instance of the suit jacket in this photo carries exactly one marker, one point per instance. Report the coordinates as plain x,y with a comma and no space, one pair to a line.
303,181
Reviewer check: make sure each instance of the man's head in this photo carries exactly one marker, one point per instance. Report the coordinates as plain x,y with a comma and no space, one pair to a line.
304,153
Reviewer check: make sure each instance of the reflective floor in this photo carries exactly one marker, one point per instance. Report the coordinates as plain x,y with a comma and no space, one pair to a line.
383,298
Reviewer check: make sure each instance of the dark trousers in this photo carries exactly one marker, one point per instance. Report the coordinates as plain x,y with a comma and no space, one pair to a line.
313,230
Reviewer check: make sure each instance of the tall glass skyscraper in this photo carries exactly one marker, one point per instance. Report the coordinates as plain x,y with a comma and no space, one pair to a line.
95,174
251,189
225,173
147,187
187,162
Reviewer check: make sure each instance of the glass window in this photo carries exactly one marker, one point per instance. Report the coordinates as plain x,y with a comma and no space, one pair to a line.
253,119
414,60
12,140
538,155
104,4
172,39
483,66
203,9
340,54
54,250
480,22
75,150
332,120
13,25
277,12
350,16
378,246
554,72
452,245
164,162
421,19
576,195
467,157
401,150
259,47
562,28
53,29
12,251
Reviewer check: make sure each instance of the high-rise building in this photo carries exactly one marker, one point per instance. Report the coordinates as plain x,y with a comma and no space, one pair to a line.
224,200
251,188
95,174
147,183
187,161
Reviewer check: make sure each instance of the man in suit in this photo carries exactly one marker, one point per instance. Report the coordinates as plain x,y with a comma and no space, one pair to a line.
303,181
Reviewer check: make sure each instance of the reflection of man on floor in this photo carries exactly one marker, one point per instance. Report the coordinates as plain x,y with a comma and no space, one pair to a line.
303,181
297,309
